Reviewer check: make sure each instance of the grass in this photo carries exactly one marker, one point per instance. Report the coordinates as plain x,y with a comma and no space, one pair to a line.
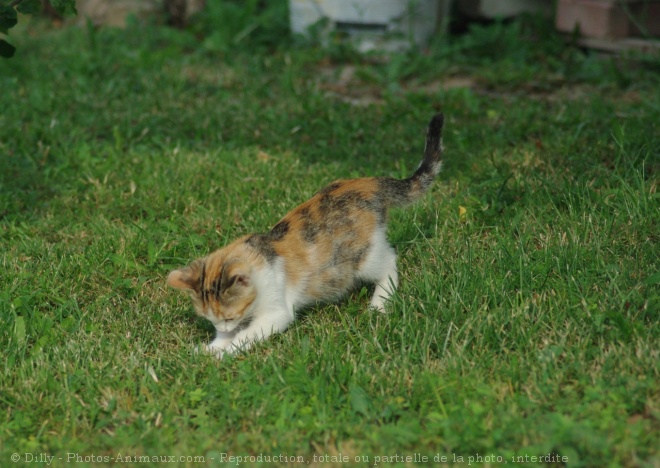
526,323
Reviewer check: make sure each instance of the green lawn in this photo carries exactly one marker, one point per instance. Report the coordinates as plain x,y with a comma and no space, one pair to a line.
526,324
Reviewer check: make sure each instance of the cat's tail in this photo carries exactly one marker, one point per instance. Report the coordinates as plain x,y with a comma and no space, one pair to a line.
402,192
432,163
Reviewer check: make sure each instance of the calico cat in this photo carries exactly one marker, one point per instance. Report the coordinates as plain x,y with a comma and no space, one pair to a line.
250,289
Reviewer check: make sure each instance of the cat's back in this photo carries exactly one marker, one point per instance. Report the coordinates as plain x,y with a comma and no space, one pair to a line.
323,241
342,210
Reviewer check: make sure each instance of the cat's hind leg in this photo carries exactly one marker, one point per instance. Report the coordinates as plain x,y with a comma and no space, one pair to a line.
387,284
379,267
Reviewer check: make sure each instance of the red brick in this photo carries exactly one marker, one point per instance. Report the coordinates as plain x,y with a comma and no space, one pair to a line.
605,19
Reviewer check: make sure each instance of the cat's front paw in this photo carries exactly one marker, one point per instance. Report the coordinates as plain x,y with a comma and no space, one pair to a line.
378,305
209,349
214,350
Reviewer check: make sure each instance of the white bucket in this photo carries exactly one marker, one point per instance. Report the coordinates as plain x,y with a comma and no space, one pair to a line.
412,21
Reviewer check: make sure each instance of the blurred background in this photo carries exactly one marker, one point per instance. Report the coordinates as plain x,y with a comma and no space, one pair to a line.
601,24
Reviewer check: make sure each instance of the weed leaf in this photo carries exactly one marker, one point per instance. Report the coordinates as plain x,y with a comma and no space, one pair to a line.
19,330
653,279
29,7
359,399
6,49
8,18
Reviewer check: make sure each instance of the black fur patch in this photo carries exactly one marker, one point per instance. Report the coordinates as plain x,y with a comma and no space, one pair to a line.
216,287
331,203
310,229
263,245
280,230
329,188
202,290
335,210
358,255
394,191
346,252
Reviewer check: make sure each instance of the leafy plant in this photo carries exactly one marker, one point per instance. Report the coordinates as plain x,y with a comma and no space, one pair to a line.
229,24
9,17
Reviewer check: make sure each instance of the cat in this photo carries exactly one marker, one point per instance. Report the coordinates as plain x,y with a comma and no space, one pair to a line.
251,288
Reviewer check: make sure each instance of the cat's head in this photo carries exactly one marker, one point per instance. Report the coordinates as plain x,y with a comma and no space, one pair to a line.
222,290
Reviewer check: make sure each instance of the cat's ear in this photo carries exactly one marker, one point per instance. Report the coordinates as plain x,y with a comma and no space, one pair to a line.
237,275
185,278
242,280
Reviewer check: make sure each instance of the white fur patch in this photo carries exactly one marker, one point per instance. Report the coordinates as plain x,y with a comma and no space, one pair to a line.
379,266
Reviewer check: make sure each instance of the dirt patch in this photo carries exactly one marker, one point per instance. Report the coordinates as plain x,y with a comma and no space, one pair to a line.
348,83
360,86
